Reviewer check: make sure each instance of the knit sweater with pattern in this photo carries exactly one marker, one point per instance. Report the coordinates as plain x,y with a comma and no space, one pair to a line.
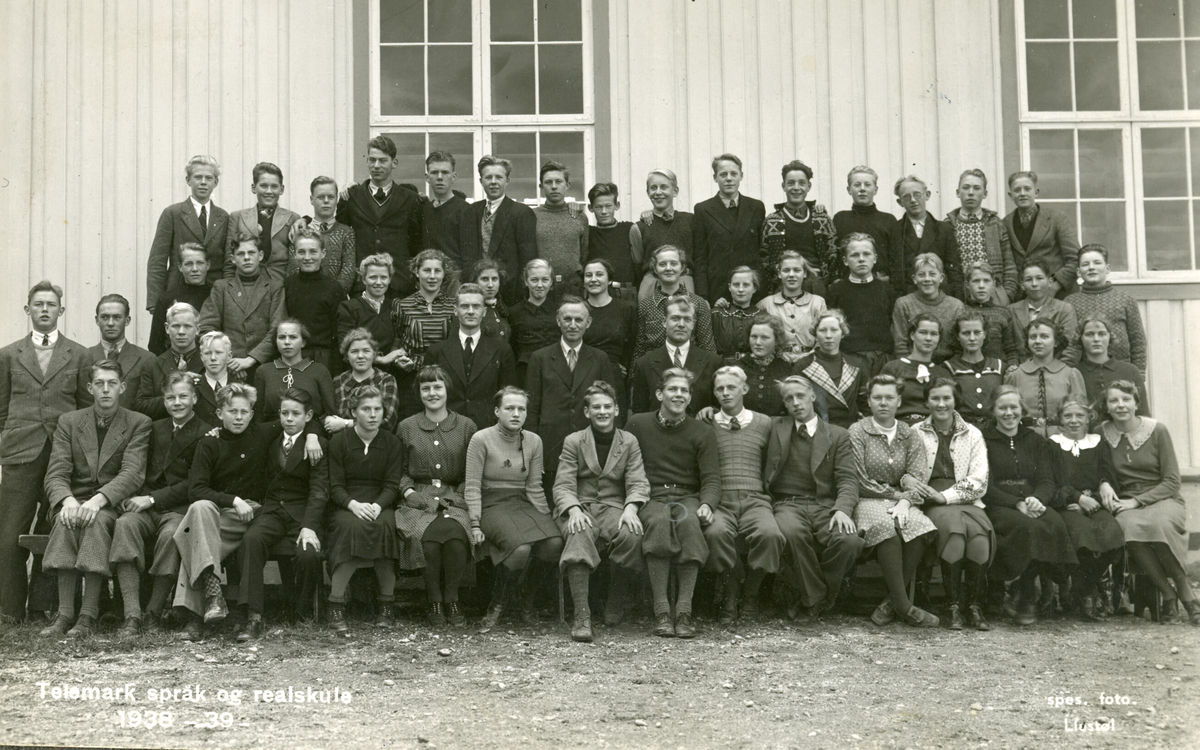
1128,337
742,454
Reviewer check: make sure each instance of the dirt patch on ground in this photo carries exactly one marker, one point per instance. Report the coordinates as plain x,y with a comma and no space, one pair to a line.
842,683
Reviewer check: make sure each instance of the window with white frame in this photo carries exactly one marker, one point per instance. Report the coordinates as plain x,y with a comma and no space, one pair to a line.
1110,121
506,77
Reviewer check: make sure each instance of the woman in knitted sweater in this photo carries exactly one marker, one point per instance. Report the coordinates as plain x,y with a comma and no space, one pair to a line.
1097,295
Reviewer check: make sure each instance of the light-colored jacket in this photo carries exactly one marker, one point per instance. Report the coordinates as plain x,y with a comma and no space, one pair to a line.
80,467
32,401
968,453
581,479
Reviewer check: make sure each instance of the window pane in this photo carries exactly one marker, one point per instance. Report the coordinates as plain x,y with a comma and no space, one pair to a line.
1160,77
560,21
560,78
1049,76
1168,247
450,20
1093,19
1164,170
1096,87
512,79
1105,223
520,149
1195,138
1101,167
1191,17
402,80
450,80
1052,156
567,149
401,21
410,158
1157,18
1192,50
1046,19
512,20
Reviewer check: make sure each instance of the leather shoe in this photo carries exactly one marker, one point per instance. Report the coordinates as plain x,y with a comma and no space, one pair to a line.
251,630
386,617
683,625
884,614
663,626
215,609
193,631
337,619
58,627
749,608
956,618
975,618
1026,613
581,629
1087,608
454,615
919,618
84,626
436,618
130,628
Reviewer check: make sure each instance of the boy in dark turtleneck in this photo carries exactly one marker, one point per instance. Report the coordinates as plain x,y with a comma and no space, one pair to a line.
312,297
193,266
864,216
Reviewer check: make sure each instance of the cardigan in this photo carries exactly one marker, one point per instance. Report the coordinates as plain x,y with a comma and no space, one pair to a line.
969,456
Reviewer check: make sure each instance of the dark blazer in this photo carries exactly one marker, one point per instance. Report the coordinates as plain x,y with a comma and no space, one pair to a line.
556,394
939,239
31,402
649,368
295,484
494,368
514,243
278,256
1054,241
80,467
721,245
832,462
179,224
133,360
170,461
395,230
206,399
149,399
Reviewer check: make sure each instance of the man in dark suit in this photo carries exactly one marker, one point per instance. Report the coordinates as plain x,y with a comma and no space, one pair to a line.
149,520
112,317
557,378
918,232
215,354
678,351
183,331
197,220
193,266
810,474
478,365
98,460
292,505
725,231
504,230
385,217
1037,232
42,376
265,220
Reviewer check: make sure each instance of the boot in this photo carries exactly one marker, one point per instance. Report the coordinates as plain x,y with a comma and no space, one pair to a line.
499,596
337,618
454,614
387,615
614,606
436,618
581,628
951,575
729,602
1193,610
976,584
1088,610
528,589
1027,606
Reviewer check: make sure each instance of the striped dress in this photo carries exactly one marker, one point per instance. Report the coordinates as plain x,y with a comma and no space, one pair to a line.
420,323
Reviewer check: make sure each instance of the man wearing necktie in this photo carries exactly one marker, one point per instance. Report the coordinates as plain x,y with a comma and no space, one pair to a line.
196,220
504,230
181,322
679,351
267,221
112,318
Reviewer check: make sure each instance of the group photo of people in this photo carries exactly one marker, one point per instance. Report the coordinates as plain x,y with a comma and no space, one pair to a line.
567,411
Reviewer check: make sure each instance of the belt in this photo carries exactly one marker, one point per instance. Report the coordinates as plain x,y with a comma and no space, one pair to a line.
795,499
686,487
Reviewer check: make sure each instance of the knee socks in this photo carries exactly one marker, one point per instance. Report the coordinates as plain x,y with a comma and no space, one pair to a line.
577,577
130,579
385,573
212,584
67,581
685,575
659,569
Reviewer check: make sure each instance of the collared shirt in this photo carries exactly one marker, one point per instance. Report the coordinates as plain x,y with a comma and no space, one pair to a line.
810,426
976,216
197,206
112,351
730,202
216,385
177,426
919,226
668,424
668,215
1027,217
462,339
855,280
1034,312
289,441
376,306
441,202
387,189
493,206
743,418
683,352
567,349
37,338
324,225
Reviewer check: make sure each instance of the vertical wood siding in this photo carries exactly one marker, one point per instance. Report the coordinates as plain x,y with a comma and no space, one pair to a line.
1173,373
105,101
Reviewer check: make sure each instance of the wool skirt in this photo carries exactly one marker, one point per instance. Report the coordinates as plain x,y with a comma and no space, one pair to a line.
1021,540
350,537
871,515
419,510
1098,532
1164,522
508,520
967,521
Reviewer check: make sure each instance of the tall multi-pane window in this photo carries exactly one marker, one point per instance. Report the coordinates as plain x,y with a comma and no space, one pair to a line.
506,77
1110,121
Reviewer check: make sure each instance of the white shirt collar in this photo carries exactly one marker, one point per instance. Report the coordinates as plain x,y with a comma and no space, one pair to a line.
196,206
856,280
810,426
1088,442
743,417
730,202
37,337
462,339
118,346
216,385
965,214
566,348
387,189
289,440
494,206
683,351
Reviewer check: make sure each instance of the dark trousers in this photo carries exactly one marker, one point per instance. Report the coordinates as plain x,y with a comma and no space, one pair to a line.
822,556
22,500
265,532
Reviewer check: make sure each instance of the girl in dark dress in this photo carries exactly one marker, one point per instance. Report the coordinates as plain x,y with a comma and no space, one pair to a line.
614,325
1082,464
1099,369
839,378
432,518
495,314
764,366
1032,539
917,368
978,375
534,320
372,309
292,370
731,320
366,465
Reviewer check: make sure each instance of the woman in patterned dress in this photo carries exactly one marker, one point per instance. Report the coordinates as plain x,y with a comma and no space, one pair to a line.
422,319
432,517
292,370
889,457
731,319
839,378
359,350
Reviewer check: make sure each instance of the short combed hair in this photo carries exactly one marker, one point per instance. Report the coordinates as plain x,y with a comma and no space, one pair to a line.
44,286
601,189
837,315
111,365
299,395
652,260
884,380
226,395
244,237
973,172
494,161
680,300
571,299
308,232
202,160
384,144
664,173
1060,338
1008,389
674,373
909,178
1094,247
360,394
111,298
924,317
320,180
265,167
862,169
755,276
1039,263
732,371
304,332
181,308
726,157
468,288
944,382
509,390
604,263
1075,400
553,166
795,165
1027,174
795,255
1094,317
357,334
175,377
599,388
193,247
770,321
845,242
441,157
382,260
1124,386
207,340
782,385
979,266
538,263
928,260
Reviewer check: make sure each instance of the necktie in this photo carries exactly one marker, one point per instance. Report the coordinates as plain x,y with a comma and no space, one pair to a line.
468,354
288,442
486,232
572,358
735,425
326,226
182,363
111,352
174,429
45,339
380,196
203,221
676,359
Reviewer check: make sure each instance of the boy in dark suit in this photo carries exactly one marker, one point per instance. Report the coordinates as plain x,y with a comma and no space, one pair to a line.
918,232
148,520
725,231
195,220
503,229
268,222
183,333
112,317
678,351
292,505
1037,232
478,365
98,460
446,216
246,307
193,266
42,376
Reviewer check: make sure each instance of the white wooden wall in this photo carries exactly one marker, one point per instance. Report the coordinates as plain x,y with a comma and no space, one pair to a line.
901,85
1173,373
104,101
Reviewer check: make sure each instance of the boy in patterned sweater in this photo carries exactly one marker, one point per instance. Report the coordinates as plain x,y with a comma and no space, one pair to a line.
1097,295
